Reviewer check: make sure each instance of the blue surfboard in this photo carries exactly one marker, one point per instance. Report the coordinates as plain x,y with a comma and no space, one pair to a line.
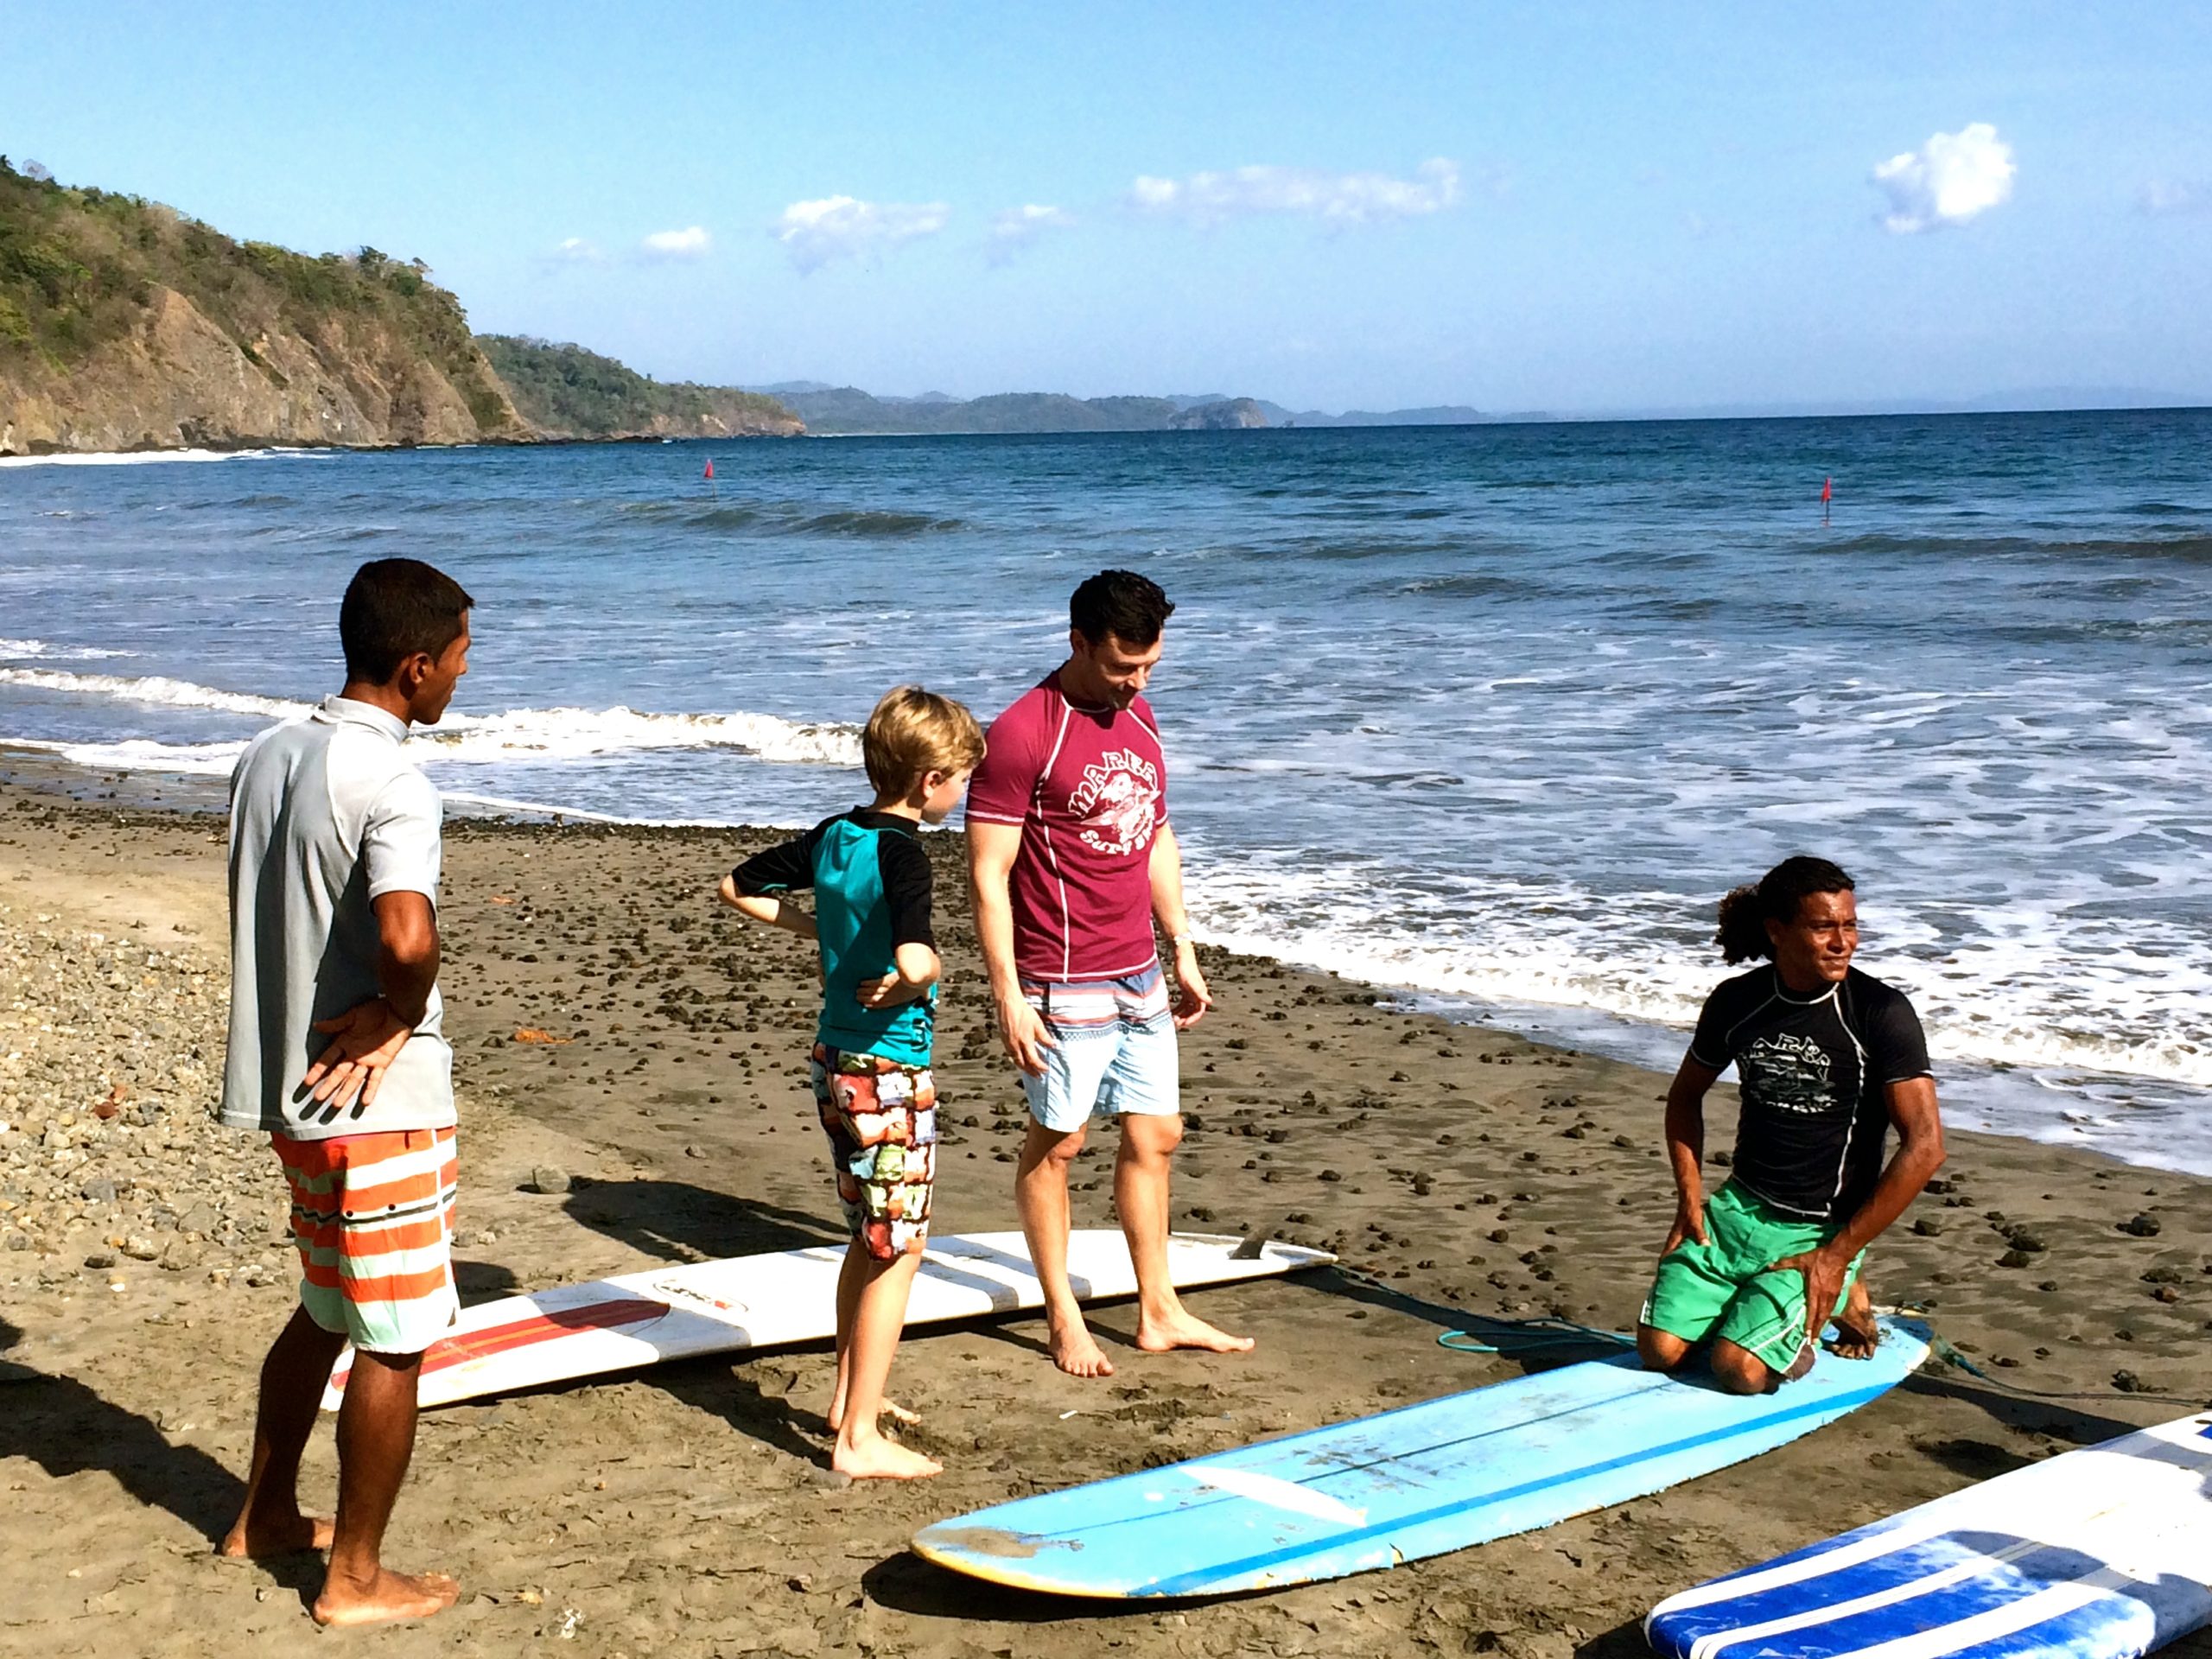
1417,1481
2102,1554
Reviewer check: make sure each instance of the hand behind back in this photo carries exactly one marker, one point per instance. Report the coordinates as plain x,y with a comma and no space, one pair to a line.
366,1039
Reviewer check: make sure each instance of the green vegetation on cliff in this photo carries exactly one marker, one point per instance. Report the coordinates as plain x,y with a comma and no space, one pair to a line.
82,271
567,391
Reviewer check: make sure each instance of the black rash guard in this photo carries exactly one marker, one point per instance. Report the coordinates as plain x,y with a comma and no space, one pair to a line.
1815,1072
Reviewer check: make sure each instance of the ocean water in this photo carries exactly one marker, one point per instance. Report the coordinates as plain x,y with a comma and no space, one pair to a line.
1489,716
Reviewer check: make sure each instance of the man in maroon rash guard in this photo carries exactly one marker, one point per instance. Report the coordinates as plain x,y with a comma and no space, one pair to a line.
1074,861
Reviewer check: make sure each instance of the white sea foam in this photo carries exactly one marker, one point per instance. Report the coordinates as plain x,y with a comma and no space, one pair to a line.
535,809
514,734
157,689
2042,992
140,754
25,649
152,457
579,734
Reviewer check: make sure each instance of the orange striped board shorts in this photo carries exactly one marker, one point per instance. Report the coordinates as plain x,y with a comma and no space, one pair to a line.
373,1217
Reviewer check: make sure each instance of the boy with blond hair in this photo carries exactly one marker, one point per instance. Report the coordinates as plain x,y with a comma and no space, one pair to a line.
872,1048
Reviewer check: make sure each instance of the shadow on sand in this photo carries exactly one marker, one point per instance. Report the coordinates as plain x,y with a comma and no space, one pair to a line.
678,1222
52,1419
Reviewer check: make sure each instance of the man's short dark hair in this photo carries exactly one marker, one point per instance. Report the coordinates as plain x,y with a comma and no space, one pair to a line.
393,608
1129,607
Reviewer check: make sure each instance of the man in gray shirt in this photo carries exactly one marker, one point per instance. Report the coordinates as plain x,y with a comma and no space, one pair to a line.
337,1052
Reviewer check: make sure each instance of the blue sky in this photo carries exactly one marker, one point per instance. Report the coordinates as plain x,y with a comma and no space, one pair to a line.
1566,207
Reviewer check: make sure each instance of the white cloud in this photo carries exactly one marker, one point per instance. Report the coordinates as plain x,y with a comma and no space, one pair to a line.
575,251
839,227
2162,196
1015,228
1337,199
690,243
1947,181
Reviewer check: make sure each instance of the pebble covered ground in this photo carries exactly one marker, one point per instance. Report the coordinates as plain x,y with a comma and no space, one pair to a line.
110,1061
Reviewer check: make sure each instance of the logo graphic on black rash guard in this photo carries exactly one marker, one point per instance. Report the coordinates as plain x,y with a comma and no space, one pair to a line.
1787,1073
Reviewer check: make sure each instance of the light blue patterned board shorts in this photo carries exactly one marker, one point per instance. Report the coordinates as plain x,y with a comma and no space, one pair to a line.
1115,1053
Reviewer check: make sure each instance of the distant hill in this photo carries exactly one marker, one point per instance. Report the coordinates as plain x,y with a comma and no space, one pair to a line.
125,325
1433,414
847,412
565,391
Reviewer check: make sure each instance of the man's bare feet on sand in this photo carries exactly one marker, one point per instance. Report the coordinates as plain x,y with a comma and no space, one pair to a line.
1182,1331
253,1538
388,1599
877,1458
1076,1351
1857,1335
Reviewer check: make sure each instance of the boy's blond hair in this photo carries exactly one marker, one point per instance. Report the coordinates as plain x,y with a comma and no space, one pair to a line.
913,732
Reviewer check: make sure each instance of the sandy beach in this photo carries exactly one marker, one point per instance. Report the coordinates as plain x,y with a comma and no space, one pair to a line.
689,1510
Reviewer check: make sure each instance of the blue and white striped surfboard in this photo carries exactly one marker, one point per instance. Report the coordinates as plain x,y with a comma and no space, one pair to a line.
2102,1554
1438,1475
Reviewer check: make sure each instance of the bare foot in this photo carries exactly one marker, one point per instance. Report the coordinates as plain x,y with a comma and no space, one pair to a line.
1857,1335
1075,1353
253,1538
834,1419
1182,1329
877,1458
390,1598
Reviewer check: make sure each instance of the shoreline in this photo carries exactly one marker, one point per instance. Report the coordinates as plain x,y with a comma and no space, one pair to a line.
1460,1173
2011,1100
249,447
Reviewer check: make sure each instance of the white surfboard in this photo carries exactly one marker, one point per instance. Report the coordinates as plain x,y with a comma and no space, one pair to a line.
2101,1554
762,1301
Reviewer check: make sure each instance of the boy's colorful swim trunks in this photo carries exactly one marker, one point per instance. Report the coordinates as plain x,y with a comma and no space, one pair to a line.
881,1119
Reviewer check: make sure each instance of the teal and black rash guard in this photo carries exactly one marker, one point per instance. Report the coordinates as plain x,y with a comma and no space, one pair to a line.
1815,1073
871,881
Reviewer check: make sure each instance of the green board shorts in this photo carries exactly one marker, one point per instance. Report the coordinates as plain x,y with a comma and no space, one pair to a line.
1718,1289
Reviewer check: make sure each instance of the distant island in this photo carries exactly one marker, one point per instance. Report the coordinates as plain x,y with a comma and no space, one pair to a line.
847,412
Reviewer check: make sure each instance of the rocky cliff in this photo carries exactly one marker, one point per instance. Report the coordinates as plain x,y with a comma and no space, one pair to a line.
124,325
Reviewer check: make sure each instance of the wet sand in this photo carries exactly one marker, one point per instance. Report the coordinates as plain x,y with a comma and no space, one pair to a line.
688,1510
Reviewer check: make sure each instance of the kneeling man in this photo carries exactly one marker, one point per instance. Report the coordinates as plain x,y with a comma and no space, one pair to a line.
1829,1059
